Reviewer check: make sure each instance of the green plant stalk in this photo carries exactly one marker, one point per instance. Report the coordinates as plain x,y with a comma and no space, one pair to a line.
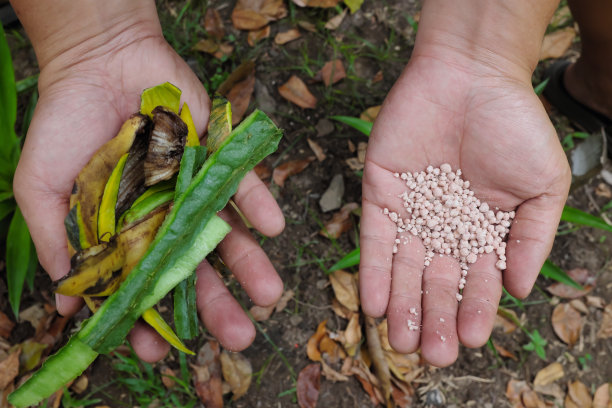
578,217
361,125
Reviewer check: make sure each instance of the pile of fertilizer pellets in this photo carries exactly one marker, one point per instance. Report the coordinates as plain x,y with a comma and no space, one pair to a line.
440,208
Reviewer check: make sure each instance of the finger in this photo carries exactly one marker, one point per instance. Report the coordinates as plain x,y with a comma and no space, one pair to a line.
439,343
478,307
249,263
404,311
258,206
220,312
147,343
531,237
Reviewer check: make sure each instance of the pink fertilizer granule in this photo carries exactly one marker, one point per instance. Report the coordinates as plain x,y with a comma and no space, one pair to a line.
443,212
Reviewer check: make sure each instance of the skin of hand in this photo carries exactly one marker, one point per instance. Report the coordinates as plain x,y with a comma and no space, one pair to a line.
493,127
85,95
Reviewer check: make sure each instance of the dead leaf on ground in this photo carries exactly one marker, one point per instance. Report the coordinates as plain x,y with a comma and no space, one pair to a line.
237,371
167,377
255,14
351,146
368,381
341,310
31,354
80,384
603,190
605,329
296,91
335,21
261,313
602,397
213,24
207,45
578,395
287,36
581,276
330,350
405,367
35,315
383,332
549,374
561,16
316,3
308,385
557,43
596,302
207,375
381,368
288,169
401,398
354,164
255,36
345,289
370,114
352,335
312,347
362,147
531,400
504,322
6,326
55,399
579,306
332,72
377,77
263,171
316,149
515,390
567,323
502,351
284,299
9,368
308,26
340,222
331,374
4,396
240,93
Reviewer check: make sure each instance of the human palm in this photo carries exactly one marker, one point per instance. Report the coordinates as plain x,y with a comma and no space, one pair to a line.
497,132
83,102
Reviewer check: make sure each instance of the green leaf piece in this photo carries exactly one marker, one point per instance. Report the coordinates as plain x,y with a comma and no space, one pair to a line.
165,94
578,217
6,207
353,5
536,344
8,110
18,250
361,125
552,271
349,260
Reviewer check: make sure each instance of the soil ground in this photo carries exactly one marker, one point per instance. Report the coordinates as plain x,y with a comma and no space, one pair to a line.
378,38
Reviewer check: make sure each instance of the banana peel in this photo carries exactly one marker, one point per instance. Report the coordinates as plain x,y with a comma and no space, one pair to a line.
113,217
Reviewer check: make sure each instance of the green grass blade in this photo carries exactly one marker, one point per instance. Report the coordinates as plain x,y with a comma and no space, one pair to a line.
578,217
18,252
539,88
552,271
8,102
26,83
350,259
361,125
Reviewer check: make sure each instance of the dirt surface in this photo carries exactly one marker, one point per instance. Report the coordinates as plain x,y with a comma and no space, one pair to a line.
378,38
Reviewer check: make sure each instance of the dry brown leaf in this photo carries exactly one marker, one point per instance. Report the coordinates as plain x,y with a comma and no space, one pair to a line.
296,91
345,289
406,366
316,149
504,352
240,93
332,72
531,400
352,335
340,310
4,396
9,368
580,275
248,20
579,306
379,361
257,35
596,302
354,164
383,332
263,171
377,77
351,146
207,375
167,377
331,374
335,21
284,299
515,390
237,371
80,384
6,325
340,222
213,24
287,36
255,14
35,315
308,385
361,151
370,114
316,3
603,190
288,169
368,382
225,50
567,323
605,329
603,396
55,399
502,322
308,26
330,350
557,43
401,398
207,45
261,313
549,374
312,347
578,396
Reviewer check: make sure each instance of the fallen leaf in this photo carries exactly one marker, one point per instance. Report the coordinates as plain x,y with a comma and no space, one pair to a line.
531,400
370,114
557,43
377,77
332,72
31,353
255,36
340,222
167,375
35,315
567,323
4,396
213,24
335,21
345,289
354,164
316,149
288,169
330,350
207,45
287,36
237,371
240,93
351,146
603,190
361,151
602,397
207,375
6,326
401,398
255,14
553,390
605,329
312,347
248,20
225,50
596,302
405,366
295,90
263,171
504,352
503,322
383,332
308,26
372,391
308,385
549,374
580,275
317,3
284,299
340,310
261,313
354,5
9,368
578,396
579,306
379,361
515,389
352,335
331,374
55,399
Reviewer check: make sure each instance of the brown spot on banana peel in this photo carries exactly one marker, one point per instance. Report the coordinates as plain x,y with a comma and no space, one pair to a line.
166,146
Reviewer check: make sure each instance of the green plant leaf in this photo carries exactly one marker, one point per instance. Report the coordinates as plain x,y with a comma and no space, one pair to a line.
32,265
578,217
26,83
8,102
165,94
552,271
6,207
18,252
361,125
536,344
350,259
353,5
539,88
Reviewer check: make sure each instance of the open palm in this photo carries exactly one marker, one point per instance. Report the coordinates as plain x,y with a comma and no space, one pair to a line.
84,99
497,132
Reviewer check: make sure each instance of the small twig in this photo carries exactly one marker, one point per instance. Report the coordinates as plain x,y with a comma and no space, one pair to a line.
474,379
312,306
